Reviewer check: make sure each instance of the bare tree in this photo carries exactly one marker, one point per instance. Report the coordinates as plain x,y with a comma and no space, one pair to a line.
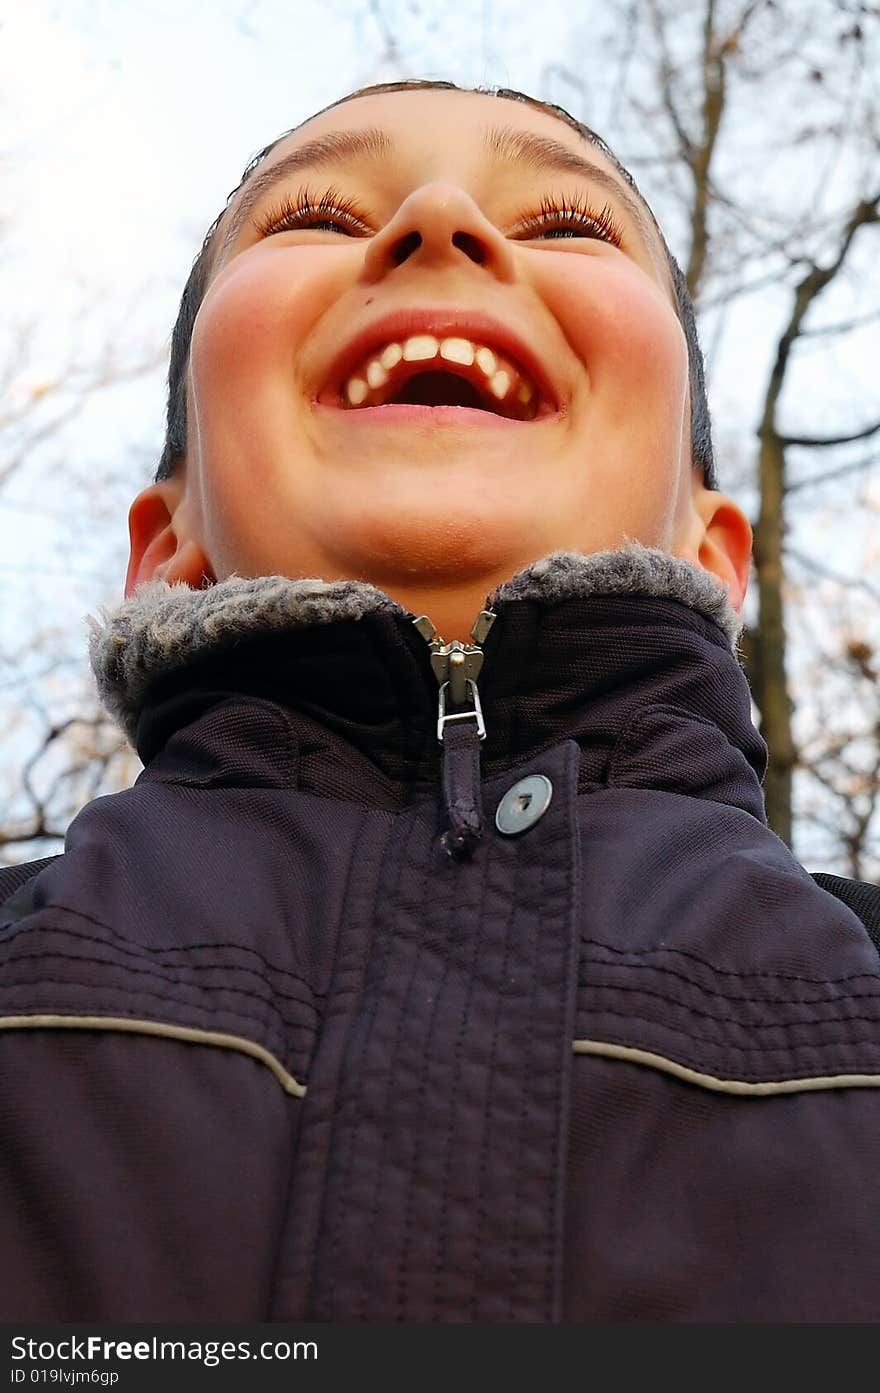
726,91
69,763
58,747
768,673
839,727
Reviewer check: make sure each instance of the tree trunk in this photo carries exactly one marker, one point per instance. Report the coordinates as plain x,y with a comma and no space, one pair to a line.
767,675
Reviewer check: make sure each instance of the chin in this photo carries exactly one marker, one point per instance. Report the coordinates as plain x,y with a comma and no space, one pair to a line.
442,551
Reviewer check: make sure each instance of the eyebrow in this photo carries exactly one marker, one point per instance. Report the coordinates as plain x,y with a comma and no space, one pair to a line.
505,144
340,147
544,155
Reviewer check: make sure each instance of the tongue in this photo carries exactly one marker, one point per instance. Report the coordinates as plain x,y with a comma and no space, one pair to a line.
438,389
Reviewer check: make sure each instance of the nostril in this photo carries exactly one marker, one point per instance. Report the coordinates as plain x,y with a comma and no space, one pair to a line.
405,247
471,246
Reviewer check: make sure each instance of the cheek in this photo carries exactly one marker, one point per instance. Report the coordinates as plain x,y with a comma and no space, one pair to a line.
623,329
254,319
244,358
631,402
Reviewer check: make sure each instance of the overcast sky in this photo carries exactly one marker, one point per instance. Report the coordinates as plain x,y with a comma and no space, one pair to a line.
127,122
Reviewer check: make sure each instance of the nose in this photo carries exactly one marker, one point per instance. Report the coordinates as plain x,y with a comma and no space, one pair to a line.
439,225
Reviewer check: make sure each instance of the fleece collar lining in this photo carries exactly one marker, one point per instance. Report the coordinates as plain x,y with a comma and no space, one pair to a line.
162,627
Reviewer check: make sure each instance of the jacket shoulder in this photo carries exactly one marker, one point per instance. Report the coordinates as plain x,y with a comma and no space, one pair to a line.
17,888
859,896
17,885
104,963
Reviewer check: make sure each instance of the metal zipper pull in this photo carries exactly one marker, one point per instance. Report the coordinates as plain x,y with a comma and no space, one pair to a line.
457,667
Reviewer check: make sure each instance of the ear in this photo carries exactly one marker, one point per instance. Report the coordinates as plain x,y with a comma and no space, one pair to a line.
161,547
720,541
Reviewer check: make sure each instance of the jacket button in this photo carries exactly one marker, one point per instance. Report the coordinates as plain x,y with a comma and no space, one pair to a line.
523,804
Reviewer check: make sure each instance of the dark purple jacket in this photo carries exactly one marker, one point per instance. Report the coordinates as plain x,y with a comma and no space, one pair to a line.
295,1032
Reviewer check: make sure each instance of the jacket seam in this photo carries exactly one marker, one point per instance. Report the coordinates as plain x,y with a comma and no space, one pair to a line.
280,1024
722,971
459,1056
126,945
374,969
214,783
606,1049
167,975
737,1021
838,999
271,1031
787,1047
630,740
186,1034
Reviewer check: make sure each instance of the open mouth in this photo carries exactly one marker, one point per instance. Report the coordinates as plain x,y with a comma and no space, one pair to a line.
423,370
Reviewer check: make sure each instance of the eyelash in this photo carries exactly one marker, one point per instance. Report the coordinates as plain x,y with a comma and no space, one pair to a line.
333,210
290,214
577,212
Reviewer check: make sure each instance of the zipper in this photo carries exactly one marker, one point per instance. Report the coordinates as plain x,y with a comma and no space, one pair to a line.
456,667
460,729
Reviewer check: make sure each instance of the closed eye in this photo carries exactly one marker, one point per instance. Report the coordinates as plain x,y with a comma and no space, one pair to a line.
334,212
573,218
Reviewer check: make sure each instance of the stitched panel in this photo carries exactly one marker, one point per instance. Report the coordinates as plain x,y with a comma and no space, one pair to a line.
443,1197
61,964
706,942
692,1206
190,908
368,875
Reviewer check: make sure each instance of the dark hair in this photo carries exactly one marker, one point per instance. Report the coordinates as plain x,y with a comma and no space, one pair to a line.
199,277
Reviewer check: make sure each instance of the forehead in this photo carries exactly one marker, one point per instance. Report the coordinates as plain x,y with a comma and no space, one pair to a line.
422,134
441,124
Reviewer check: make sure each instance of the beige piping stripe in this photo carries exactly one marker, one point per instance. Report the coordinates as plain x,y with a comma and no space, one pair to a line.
167,1032
598,1048
737,1086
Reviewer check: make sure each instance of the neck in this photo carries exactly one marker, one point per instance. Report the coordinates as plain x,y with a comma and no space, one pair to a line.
452,609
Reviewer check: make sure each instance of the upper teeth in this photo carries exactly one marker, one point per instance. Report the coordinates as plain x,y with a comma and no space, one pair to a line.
499,374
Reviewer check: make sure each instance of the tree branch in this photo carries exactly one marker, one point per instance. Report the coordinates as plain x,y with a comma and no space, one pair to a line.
806,291
849,327
821,442
852,468
853,582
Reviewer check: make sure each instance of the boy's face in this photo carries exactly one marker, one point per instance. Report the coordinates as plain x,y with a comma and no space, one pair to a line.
285,476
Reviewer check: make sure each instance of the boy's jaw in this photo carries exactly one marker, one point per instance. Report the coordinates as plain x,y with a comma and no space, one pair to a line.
423,500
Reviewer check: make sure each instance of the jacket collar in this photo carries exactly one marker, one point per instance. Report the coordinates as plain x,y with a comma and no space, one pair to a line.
583,647
165,627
